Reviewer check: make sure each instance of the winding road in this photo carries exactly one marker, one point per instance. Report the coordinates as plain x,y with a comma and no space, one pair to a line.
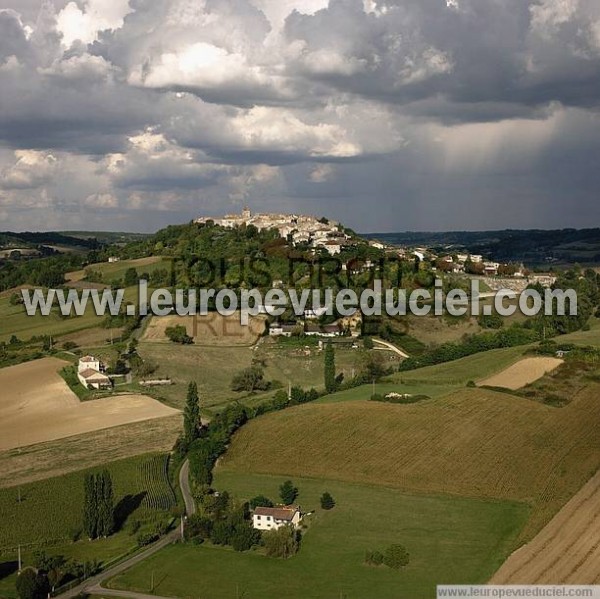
93,585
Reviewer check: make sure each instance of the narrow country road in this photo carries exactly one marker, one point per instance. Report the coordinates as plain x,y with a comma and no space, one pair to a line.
391,347
184,485
93,585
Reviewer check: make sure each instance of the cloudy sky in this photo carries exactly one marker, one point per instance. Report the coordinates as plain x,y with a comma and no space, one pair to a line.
386,114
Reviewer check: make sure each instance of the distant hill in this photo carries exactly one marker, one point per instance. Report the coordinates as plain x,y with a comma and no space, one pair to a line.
535,247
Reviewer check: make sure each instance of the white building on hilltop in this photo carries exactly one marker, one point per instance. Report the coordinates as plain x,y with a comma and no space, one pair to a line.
272,518
90,375
302,228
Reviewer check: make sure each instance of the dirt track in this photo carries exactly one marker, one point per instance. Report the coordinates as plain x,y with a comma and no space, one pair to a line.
522,373
36,405
566,551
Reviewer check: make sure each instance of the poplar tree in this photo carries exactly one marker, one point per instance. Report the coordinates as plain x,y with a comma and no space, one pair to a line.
191,414
330,382
90,507
106,505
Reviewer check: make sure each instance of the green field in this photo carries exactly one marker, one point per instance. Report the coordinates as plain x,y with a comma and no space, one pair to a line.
116,270
470,368
15,321
214,367
449,540
50,510
591,337
471,443
364,392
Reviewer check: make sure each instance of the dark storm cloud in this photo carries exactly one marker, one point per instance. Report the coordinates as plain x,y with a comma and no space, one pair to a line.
386,114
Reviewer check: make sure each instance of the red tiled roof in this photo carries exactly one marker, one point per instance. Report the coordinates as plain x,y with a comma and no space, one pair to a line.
278,513
90,373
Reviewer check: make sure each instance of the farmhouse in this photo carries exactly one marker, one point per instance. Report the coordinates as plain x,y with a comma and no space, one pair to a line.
281,330
271,518
90,375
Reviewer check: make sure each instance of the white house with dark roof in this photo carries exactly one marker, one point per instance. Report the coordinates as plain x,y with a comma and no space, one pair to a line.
272,518
90,375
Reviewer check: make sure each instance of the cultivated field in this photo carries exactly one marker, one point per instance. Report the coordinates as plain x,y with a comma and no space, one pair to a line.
210,330
522,373
566,551
53,458
471,368
474,443
449,539
48,515
37,406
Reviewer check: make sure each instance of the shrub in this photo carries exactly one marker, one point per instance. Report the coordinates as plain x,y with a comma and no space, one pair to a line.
283,542
31,585
260,501
288,492
327,501
146,538
374,558
244,536
198,527
178,334
396,556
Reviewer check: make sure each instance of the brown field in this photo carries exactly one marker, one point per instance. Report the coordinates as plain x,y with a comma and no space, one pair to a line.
522,373
36,405
473,443
53,458
566,551
94,337
210,330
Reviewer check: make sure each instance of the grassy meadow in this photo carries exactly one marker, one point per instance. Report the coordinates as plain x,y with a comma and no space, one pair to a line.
471,443
15,321
116,270
449,540
214,367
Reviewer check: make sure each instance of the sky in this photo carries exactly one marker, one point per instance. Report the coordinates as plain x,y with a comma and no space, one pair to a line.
388,115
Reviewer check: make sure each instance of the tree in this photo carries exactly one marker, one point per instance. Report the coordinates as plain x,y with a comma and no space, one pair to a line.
198,527
244,536
368,343
131,277
330,382
260,501
90,507
55,567
191,414
282,542
250,379
178,334
32,585
327,501
221,533
288,492
106,504
396,556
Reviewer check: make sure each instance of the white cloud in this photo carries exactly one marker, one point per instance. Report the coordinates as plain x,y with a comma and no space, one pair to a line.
96,16
32,169
280,130
549,14
199,66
